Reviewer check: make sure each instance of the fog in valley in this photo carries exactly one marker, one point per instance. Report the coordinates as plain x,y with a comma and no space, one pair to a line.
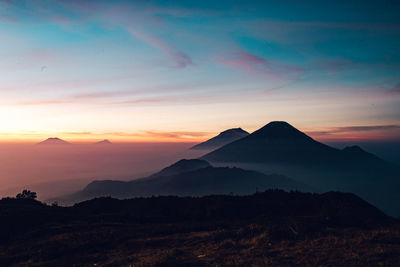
54,170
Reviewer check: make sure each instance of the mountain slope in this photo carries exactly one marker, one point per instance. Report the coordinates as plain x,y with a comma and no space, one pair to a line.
190,181
280,148
183,165
280,142
222,139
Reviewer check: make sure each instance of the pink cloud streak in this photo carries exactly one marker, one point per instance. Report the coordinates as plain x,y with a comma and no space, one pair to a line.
247,62
180,58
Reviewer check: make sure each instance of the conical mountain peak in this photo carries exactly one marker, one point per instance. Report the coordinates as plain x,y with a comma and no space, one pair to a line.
279,129
104,142
53,141
278,141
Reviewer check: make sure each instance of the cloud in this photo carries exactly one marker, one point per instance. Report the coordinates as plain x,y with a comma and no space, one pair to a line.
41,102
180,58
121,14
141,100
245,61
367,128
99,95
74,99
395,89
77,133
363,132
251,63
346,129
176,135
32,59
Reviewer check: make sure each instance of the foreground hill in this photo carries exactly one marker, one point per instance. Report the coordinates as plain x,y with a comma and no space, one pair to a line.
280,148
274,227
188,178
222,139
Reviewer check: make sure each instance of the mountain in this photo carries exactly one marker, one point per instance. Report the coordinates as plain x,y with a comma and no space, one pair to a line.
278,147
54,141
103,142
222,139
359,153
188,178
279,141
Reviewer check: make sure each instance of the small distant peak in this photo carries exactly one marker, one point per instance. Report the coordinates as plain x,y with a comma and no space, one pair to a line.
53,141
104,142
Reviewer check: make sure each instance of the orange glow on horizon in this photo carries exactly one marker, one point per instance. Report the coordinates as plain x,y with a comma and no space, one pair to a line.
82,139
159,137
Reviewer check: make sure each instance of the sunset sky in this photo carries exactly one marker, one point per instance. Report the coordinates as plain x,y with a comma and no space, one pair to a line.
186,70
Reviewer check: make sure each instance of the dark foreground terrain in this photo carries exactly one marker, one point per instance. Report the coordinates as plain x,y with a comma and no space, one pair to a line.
274,228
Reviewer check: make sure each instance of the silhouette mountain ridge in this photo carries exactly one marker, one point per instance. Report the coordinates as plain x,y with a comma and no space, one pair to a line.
193,177
279,129
276,141
223,138
53,141
104,142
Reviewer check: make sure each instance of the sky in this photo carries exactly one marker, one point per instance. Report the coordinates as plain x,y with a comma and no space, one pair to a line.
186,70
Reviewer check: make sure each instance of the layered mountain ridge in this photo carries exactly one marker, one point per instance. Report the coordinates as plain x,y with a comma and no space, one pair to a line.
222,139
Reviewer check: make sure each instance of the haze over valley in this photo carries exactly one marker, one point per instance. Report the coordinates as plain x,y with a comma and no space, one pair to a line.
199,133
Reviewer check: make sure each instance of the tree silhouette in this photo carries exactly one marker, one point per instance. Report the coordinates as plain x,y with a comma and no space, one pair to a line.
26,194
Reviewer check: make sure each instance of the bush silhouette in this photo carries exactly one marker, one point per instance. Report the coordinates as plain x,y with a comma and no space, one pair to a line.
26,194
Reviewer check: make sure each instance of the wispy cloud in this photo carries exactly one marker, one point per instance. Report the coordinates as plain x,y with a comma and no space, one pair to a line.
77,133
395,89
121,14
168,135
245,61
367,128
359,132
251,63
99,95
180,58
176,135
41,102
141,100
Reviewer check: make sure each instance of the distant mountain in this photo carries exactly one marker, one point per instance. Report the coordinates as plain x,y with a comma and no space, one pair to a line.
188,178
280,148
104,142
222,139
54,141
